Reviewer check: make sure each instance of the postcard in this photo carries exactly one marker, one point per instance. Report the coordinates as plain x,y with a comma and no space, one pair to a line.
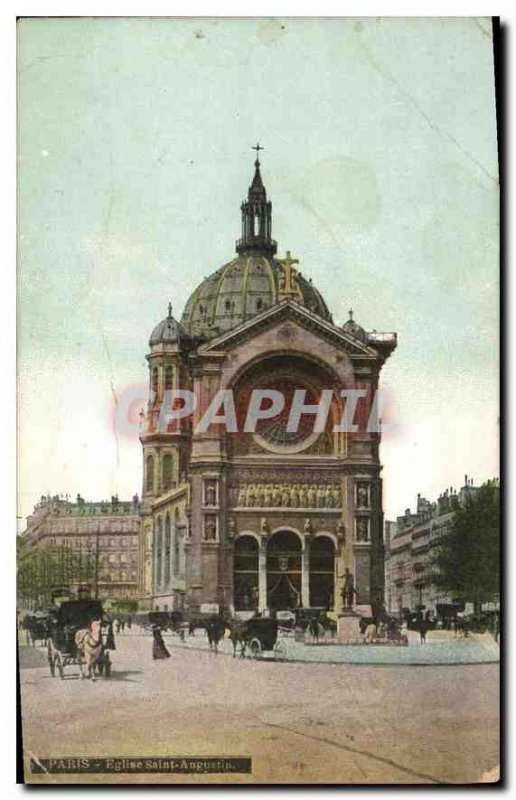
258,369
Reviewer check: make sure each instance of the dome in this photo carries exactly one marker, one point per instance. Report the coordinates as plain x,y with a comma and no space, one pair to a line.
168,331
244,288
353,328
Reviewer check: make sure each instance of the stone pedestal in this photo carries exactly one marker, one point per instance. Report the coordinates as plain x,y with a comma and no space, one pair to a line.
348,629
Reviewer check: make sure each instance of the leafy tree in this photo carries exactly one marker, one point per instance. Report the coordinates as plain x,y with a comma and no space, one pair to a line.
468,558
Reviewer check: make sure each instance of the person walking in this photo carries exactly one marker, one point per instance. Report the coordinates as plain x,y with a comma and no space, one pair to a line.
158,645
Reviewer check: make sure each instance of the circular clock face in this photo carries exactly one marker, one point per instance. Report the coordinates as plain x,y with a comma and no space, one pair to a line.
272,433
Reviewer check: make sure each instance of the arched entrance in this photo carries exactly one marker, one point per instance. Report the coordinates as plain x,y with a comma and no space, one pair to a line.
283,571
245,574
322,572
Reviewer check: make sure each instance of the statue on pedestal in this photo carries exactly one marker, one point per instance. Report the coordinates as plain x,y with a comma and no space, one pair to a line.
348,590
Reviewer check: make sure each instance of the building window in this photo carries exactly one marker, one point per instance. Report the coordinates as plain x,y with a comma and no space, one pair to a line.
112,558
175,560
154,384
169,377
159,554
166,579
167,472
150,474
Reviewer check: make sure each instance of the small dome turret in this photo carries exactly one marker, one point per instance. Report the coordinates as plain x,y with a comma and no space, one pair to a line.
168,331
353,328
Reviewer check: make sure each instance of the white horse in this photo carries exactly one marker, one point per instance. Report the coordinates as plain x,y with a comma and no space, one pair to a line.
89,647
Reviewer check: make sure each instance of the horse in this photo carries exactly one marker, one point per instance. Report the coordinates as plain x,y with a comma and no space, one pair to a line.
370,633
238,637
89,647
36,630
215,628
462,627
316,630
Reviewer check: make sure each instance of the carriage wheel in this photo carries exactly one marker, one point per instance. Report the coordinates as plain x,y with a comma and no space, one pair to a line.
107,666
280,651
255,648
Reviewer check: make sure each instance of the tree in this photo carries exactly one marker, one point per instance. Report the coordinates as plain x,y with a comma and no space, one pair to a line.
468,559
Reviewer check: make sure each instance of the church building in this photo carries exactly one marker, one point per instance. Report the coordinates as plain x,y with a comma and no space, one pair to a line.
238,518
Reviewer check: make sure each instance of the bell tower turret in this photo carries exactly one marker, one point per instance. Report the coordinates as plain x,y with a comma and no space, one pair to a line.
257,217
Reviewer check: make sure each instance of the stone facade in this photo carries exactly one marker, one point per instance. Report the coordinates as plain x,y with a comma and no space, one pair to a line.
102,539
412,547
263,519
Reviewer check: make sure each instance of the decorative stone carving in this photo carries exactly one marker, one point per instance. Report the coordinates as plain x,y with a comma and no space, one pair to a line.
210,492
287,495
308,529
363,495
362,529
231,528
210,528
264,526
341,531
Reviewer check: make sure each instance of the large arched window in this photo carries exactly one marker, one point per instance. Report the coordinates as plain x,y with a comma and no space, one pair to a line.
166,579
169,377
245,573
159,552
167,471
322,569
175,560
283,571
149,478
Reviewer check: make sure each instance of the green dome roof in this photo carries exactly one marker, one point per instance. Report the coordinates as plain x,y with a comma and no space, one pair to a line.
242,289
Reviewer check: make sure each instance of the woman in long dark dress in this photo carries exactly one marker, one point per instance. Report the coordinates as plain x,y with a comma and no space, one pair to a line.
158,646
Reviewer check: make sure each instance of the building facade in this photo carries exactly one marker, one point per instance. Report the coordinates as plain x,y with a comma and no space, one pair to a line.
412,544
92,546
236,518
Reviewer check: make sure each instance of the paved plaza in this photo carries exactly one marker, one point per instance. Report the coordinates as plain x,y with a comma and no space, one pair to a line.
441,648
299,722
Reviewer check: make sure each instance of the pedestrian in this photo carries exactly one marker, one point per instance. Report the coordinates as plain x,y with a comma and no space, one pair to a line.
423,627
110,639
158,645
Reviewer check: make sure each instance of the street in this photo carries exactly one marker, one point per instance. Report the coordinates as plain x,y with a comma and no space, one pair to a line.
300,722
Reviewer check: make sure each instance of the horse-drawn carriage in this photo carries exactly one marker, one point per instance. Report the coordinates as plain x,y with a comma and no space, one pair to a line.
38,625
257,636
81,635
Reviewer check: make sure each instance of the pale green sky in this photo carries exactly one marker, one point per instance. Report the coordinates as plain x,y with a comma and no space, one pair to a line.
134,157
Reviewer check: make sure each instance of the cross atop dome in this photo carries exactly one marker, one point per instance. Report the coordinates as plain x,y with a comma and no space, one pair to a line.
257,148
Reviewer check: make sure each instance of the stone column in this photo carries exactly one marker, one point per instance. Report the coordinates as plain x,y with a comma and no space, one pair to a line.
262,574
305,574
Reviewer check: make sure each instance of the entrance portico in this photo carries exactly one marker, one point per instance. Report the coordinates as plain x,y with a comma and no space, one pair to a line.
282,570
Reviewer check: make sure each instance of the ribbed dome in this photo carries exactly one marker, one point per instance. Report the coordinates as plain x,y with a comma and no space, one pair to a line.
241,289
168,331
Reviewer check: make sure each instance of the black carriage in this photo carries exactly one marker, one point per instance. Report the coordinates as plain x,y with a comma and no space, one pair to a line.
73,616
38,625
260,635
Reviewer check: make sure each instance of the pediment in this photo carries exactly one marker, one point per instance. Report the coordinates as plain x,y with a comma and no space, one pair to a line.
289,319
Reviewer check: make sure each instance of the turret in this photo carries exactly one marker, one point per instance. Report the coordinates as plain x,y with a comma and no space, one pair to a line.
257,217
